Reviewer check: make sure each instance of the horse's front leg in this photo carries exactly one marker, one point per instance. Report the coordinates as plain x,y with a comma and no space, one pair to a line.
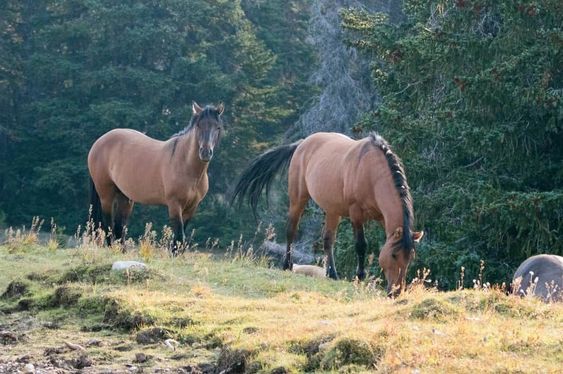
177,226
361,246
187,216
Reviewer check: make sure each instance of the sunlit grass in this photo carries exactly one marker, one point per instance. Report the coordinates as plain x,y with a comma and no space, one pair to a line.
274,319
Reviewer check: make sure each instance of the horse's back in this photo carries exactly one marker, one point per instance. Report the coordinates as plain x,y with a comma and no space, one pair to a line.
119,140
548,270
318,167
339,172
129,160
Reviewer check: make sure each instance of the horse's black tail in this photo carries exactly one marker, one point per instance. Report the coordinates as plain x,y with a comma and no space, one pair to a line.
261,172
95,210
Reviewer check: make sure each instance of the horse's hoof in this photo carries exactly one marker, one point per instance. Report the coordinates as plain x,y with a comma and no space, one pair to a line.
361,275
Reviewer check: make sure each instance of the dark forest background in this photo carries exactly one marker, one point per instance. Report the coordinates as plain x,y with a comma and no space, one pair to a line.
469,94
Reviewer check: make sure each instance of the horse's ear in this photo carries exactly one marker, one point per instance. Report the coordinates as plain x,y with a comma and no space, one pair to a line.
417,236
220,108
196,109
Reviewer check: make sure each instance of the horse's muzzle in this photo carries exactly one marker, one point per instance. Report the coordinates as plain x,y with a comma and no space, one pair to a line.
205,154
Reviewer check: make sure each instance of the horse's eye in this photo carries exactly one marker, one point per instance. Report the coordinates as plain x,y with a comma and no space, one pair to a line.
394,255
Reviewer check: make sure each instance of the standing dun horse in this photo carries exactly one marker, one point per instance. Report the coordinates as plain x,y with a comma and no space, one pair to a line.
361,179
127,166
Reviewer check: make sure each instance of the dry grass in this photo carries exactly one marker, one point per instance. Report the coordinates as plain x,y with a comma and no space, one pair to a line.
232,310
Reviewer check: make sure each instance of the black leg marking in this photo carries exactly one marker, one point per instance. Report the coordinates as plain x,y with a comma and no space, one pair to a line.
179,236
361,246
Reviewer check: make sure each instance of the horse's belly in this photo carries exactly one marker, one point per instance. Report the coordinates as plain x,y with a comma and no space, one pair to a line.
325,185
327,194
329,205
139,186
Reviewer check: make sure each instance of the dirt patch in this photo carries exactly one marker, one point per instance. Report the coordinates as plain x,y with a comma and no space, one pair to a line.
80,362
65,296
203,368
8,337
87,274
182,322
16,289
233,361
312,349
153,335
119,317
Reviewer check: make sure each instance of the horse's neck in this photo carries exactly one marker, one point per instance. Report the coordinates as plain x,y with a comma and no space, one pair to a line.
187,158
390,205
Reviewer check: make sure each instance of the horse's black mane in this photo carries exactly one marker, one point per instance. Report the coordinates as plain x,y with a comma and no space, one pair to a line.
400,179
208,111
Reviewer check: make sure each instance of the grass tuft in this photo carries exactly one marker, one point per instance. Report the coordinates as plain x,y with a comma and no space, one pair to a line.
434,309
351,351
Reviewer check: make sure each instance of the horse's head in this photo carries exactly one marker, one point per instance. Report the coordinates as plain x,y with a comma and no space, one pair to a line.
395,258
208,125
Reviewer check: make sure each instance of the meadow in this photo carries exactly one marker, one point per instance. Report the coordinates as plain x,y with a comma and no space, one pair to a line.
65,309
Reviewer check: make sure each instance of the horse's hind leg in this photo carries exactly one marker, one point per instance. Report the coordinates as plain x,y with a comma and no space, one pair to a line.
106,201
329,235
296,208
122,207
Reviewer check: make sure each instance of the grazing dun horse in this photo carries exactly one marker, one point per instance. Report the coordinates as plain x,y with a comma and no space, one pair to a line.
361,179
127,166
540,276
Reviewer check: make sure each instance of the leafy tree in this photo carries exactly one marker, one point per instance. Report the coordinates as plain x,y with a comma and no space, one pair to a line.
471,100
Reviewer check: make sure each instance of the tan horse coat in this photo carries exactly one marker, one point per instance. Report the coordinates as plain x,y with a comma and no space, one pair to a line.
360,179
127,166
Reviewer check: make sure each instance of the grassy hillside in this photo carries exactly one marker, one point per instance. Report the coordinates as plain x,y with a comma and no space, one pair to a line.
66,309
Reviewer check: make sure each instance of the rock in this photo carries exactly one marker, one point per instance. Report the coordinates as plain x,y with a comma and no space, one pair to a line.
152,335
310,270
125,265
81,362
141,357
94,343
49,351
51,325
29,368
74,347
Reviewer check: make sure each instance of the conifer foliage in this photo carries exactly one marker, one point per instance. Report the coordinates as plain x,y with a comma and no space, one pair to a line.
70,70
472,100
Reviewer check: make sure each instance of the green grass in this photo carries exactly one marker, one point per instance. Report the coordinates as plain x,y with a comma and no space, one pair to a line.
238,314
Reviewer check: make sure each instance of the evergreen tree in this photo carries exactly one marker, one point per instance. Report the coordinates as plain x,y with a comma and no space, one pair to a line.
74,69
472,102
